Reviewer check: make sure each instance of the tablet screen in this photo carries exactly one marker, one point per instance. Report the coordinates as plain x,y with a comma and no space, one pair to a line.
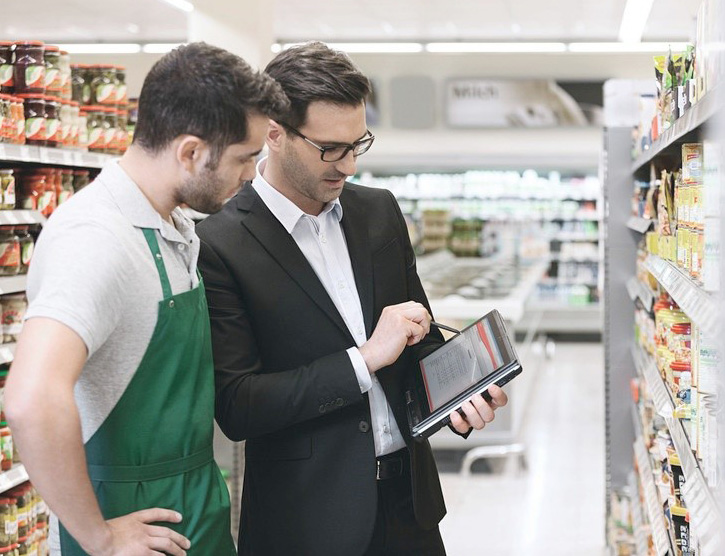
463,361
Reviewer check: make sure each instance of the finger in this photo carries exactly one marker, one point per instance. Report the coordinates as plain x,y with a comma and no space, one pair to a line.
166,546
459,423
472,416
498,395
151,515
165,532
483,408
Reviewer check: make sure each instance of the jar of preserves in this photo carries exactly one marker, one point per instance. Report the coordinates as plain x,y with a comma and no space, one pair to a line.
8,522
66,123
83,127
65,75
51,57
9,253
19,107
7,189
122,134
52,121
4,118
34,112
32,187
110,126
121,88
75,123
20,495
27,247
66,186
96,128
6,448
81,178
103,86
80,88
14,307
48,200
29,72
6,67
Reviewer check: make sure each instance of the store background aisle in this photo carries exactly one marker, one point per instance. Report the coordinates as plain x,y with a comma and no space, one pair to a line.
557,506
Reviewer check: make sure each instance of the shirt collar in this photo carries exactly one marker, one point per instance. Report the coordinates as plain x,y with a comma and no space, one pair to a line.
134,205
281,207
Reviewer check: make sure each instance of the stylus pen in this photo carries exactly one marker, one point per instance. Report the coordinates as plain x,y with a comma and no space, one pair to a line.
444,327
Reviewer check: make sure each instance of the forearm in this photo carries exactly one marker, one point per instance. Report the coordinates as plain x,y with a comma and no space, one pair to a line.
49,438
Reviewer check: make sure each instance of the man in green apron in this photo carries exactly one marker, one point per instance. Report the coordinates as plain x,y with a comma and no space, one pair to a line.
111,395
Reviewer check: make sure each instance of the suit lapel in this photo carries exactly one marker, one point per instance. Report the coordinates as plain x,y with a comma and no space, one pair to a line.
355,227
281,246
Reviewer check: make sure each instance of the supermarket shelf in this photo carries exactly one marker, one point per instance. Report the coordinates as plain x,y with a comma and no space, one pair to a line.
698,304
58,157
638,290
652,505
16,217
693,119
13,284
638,224
7,353
12,478
660,394
699,499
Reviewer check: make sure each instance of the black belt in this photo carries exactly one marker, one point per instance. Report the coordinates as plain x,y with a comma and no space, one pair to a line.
392,465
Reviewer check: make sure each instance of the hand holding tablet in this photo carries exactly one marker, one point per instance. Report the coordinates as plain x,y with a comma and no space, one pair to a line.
454,376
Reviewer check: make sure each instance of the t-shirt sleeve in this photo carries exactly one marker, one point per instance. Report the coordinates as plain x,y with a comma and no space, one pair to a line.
77,278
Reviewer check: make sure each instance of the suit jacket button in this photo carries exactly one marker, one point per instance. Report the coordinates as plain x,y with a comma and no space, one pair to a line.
339,402
322,409
364,426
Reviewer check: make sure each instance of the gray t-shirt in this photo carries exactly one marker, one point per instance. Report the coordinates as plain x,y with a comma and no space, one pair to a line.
93,271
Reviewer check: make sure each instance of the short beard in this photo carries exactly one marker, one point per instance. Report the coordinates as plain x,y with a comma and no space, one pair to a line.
202,193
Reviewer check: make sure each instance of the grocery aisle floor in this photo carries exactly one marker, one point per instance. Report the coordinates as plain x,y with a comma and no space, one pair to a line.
556,507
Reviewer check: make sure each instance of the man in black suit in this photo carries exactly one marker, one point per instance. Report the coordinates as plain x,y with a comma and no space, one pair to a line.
318,320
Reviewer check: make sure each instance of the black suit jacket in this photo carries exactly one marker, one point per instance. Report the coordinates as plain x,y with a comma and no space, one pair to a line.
285,383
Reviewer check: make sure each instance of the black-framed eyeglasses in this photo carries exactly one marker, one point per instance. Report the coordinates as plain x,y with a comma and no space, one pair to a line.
333,153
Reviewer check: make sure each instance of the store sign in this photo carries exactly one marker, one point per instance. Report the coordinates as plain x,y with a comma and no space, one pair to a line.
492,103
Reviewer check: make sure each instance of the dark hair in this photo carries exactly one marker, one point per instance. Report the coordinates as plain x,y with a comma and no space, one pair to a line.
202,90
314,72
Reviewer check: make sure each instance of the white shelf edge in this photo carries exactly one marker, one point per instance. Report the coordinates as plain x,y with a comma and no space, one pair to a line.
21,217
54,156
697,304
652,502
13,284
12,478
638,290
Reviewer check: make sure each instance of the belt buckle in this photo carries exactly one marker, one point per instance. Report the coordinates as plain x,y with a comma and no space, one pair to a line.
377,469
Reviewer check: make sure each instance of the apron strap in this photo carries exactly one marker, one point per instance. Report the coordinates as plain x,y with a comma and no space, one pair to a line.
159,260
152,472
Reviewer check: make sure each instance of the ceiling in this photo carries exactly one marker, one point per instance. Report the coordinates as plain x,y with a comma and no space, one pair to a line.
346,20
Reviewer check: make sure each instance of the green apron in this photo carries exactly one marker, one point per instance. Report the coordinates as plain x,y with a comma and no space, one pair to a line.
155,447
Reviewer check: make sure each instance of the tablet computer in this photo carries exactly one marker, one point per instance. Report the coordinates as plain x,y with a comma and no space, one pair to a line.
480,355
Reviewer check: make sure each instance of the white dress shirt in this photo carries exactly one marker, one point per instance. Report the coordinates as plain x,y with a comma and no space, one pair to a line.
322,241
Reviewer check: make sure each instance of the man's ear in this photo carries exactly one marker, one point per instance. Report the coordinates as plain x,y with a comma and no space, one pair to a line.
191,152
276,136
